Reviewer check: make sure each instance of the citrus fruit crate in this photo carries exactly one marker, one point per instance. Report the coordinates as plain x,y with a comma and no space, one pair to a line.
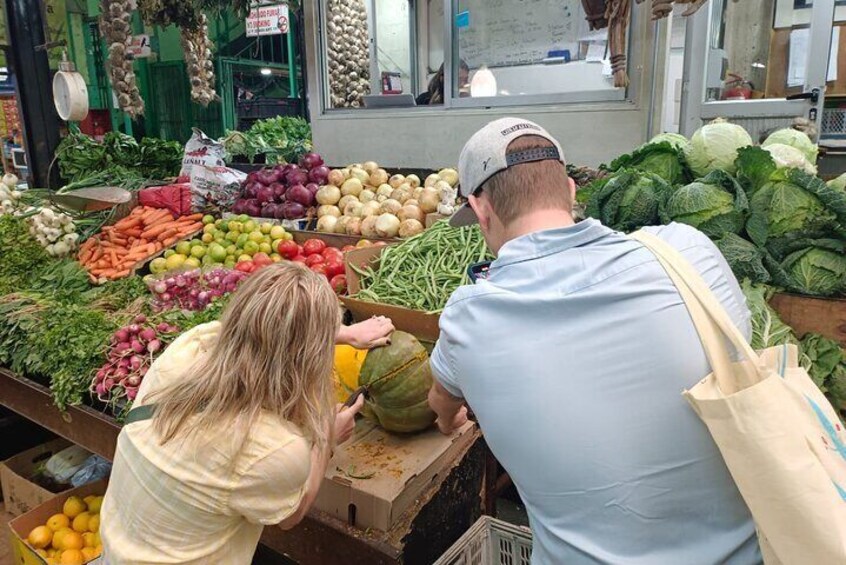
490,542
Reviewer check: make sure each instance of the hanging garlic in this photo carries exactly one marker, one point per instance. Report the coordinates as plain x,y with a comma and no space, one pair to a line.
115,21
348,53
199,62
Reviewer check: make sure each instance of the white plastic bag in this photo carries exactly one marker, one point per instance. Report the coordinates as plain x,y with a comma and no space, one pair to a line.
214,189
64,464
201,151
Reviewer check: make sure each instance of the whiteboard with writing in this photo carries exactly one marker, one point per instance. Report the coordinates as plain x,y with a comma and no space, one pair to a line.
509,32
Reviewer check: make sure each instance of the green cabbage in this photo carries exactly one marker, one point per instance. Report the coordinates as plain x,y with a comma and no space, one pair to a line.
794,206
662,158
628,200
816,268
768,330
787,157
794,138
714,146
677,140
715,205
746,260
839,183
825,357
755,167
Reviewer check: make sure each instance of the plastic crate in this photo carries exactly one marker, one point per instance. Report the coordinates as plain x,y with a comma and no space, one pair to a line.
834,122
490,542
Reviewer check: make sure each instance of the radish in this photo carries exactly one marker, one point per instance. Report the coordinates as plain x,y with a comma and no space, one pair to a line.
137,346
154,346
140,319
122,335
147,334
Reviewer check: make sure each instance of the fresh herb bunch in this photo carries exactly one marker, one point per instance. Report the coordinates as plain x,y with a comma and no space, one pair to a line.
22,257
282,139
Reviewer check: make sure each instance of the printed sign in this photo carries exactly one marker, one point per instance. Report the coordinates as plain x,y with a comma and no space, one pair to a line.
268,20
140,46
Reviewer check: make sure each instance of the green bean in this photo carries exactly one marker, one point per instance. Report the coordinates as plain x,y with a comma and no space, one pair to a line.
422,272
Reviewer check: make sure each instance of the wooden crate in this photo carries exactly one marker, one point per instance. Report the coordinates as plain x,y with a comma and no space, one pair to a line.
825,316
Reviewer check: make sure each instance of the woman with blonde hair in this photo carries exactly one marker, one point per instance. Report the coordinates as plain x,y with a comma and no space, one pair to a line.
233,427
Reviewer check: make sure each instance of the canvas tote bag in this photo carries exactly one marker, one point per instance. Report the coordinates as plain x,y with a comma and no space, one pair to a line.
780,438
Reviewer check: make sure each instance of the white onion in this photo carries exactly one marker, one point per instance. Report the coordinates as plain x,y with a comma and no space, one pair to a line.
368,227
327,210
402,193
379,177
411,213
328,194
429,200
336,177
411,202
431,180
353,226
413,180
360,174
387,226
449,175
417,192
353,209
346,200
385,190
352,186
371,208
341,226
370,166
327,224
367,195
396,180
391,206
410,228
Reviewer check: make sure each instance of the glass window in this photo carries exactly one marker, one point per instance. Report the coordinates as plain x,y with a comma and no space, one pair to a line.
507,48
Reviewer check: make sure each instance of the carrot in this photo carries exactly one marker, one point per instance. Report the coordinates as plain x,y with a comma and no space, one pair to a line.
135,232
157,218
191,228
153,232
84,255
98,252
192,217
170,232
170,241
128,223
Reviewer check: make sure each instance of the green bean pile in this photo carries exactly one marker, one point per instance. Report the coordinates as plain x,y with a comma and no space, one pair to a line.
423,271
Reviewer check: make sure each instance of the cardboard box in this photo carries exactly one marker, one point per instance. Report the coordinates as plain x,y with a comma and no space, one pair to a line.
825,316
20,494
22,525
332,239
420,324
376,476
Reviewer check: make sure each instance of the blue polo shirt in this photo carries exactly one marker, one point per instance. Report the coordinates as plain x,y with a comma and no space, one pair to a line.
573,355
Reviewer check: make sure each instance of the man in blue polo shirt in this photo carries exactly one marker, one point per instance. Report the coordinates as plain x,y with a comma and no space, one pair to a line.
573,356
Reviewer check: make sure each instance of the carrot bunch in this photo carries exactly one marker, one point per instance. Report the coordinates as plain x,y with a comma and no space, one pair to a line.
117,249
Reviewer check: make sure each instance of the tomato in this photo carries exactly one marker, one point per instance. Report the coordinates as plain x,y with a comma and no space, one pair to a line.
245,267
333,252
313,246
314,260
348,248
299,259
262,259
339,284
334,268
319,268
288,249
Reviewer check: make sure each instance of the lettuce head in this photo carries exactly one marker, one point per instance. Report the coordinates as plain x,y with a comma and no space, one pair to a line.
714,146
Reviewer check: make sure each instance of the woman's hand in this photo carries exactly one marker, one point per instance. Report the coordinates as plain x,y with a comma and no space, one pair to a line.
345,420
371,333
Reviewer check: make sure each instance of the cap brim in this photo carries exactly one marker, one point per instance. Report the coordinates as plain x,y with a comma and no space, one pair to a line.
464,216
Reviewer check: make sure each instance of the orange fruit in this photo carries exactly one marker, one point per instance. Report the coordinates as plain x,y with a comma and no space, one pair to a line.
40,537
94,523
89,540
80,523
72,540
89,553
58,521
72,557
58,538
73,507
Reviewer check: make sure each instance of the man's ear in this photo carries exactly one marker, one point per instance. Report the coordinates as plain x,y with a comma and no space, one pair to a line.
571,186
481,206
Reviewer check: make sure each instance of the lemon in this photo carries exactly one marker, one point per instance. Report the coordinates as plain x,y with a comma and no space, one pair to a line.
89,553
158,265
208,219
198,251
95,505
183,248
88,540
72,540
74,506
207,238
40,537
265,248
59,538
173,262
94,525
276,232
58,521
72,557
192,262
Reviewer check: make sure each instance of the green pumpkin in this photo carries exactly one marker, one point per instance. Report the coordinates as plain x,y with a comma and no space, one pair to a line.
398,378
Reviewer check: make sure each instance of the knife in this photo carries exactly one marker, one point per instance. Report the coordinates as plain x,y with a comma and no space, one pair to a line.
354,396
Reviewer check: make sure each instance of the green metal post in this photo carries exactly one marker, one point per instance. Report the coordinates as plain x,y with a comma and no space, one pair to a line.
293,91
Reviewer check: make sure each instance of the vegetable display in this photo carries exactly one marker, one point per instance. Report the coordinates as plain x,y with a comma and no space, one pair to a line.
146,231
422,272
398,379
283,192
363,200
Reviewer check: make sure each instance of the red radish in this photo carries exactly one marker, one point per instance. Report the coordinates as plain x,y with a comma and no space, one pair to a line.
154,346
134,329
135,362
140,319
133,381
137,346
163,327
147,334
131,393
122,335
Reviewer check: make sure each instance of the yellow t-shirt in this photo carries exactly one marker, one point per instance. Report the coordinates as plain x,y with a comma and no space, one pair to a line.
206,501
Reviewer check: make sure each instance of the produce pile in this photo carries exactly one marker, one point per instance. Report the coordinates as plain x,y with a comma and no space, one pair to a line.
422,272
283,139
772,218
283,192
81,157
348,45
362,200
71,537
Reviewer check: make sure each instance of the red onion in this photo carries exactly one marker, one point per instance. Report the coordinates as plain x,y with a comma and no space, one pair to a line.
279,190
265,195
319,174
299,194
311,160
293,210
296,177
252,208
267,177
239,206
313,188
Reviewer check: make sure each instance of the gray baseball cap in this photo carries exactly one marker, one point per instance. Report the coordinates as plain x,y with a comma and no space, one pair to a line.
485,154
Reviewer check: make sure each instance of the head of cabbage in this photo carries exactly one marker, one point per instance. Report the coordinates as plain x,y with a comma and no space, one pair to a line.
839,183
628,200
677,140
794,206
715,204
745,259
714,146
663,157
796,139
787,157
814,267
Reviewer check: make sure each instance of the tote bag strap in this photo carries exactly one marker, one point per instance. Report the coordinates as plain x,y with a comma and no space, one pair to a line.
711,320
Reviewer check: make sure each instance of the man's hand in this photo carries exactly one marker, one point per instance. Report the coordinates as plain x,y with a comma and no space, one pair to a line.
345,420
447,427
451,411
371,333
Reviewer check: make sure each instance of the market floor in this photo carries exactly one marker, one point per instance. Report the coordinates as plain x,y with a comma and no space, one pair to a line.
5,546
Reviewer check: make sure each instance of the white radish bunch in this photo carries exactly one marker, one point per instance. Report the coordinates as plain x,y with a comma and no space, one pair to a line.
55,231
